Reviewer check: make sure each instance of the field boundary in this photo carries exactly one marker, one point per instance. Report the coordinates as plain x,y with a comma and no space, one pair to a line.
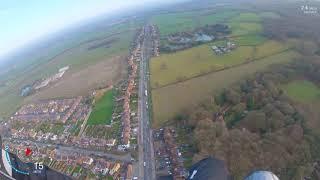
223,69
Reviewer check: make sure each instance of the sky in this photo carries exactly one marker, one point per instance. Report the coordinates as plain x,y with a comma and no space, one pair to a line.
23,21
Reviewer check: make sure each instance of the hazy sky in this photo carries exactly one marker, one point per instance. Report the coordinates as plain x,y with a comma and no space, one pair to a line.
25,20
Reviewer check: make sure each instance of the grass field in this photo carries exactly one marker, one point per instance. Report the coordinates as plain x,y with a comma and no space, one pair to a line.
269,47
173,22
186,21
249,40
102,110
216,17
176,67
246,17
271,15
170,100
302,91
182,65
241,22
244,28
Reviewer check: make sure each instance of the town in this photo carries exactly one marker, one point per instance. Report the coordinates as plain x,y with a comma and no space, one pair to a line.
183,40
52,125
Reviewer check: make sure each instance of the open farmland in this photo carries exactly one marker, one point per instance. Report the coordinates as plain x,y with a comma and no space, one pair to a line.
249,40
170,100
216,17
245,28
176,67
185,64
188,21
80,83
173,22
102,110
269,47
302,91
246,17
270,15
242,23
75,51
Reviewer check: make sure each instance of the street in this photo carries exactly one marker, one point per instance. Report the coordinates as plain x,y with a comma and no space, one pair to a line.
146,155
71,149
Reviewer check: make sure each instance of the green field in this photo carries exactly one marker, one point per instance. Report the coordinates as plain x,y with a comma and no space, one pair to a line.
186,21
241,23
176,67
269,47
302,91
246,17
171,100
199,60
102,110
215,17
270,15
173,22
249,40
244,28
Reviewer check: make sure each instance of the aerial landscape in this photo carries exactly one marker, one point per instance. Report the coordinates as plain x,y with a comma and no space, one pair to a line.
187,89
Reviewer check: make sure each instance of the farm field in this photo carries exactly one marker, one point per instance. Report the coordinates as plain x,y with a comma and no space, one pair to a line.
102,110
269,47
241,22
249,40
176,67
244,28
246,17
302,91
216,17
183,65
107,72
271,15
178,22
170,100
187,21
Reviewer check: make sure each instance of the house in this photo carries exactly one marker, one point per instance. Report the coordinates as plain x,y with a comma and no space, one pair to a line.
129,172
88,160
219,50
111,142
115,168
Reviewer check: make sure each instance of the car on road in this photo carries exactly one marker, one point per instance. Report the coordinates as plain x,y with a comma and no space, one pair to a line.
144,164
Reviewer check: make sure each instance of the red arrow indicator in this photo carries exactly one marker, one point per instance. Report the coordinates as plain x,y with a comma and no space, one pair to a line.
28,152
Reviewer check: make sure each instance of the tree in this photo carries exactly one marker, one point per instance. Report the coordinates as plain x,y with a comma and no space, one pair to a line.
276,120
255,121
232,97
285,108
250,103
204,134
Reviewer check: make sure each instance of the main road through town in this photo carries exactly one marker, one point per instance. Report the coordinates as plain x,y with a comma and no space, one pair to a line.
146,154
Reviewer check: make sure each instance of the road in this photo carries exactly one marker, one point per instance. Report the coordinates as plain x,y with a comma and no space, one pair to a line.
146,154
83,125
71,149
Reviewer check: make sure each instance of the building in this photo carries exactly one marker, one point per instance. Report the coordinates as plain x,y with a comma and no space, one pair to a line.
219,50
115,169
129,172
